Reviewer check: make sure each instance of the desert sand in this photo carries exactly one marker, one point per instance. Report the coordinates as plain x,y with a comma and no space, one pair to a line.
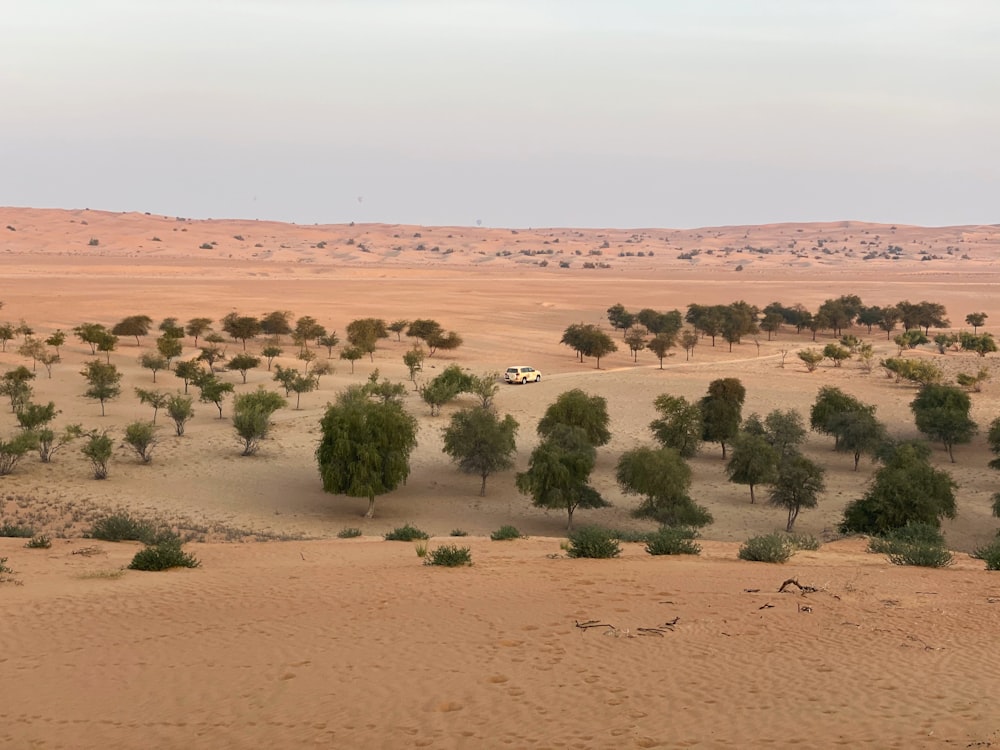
310,640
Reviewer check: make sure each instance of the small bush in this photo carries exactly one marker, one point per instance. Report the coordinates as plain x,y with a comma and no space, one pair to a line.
405,533
421,548
772,548
919,544
122,526
204,246
39,542
349,533
505,533
459,532
449,556
673,540
594,542
163,556
803,542
94,242
990,554
16,530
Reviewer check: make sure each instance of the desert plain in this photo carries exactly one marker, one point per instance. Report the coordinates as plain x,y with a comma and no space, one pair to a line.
287,636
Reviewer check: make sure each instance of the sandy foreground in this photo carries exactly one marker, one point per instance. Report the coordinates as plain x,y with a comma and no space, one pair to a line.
348,643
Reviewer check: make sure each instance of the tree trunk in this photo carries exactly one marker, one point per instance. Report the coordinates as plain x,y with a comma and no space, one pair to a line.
793,513
482,487
950,454
857,458
751,494
723,444
569,521
371,507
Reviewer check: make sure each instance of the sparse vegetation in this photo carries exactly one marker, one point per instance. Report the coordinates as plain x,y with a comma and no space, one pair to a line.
772,548
505,533
593,541
405,533
449,556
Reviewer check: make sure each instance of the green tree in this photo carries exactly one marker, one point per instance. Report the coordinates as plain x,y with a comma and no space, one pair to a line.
188,371
830,404
352,354
414,360
170,347
14,449
156,399
106,344
721,411
171,329
976,320
213,391
32,417
754,461
689,340
6,334
620,318
905,489
252,414
99,448
836,354
982,344
196,327
485,387
141,437
679,425
480,442
134,325
153,362
180,410
636,340
241,328
242,363
364,334
328,340
303,383
858,433
365,446
16,385
385,390
443,341
578,409
276,323
661,344
811,358
103,381
89,333
662,478
211,353
307,329
397,327
50,442
32,349
796,486
942,413
559,471
270,352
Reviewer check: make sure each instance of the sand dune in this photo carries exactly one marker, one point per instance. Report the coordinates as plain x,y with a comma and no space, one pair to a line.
348,643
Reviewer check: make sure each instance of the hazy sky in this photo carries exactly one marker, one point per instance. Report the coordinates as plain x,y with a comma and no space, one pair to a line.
627,113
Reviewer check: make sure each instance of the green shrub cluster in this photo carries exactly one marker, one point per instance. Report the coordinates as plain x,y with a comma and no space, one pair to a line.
16,530
449,556
772,548
803,542
594,542
348,533
459,532
990,554
122,526
918,544
405,533
163,555
673,540
505,533
39,542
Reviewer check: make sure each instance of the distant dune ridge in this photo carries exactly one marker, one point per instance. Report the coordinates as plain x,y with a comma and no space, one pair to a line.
311,640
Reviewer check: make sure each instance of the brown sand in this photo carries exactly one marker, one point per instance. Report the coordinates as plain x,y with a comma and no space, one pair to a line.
347,643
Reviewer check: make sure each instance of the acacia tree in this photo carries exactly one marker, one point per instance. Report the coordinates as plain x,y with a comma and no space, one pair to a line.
134,325
141,437
577,409
796,486
689,340
480,442
241,327
212,390
636,340
905,489
153,361
156,399
754,461
559,471
858,433
98,449
180,410
103,381
6,334
414,360
188,371
721,410
679,426
661,344
270,352
942,413
976,320
16,385
663,479
328,340
170,347
352,354
242,363
252,417
276,323
196,327
397,327
365,446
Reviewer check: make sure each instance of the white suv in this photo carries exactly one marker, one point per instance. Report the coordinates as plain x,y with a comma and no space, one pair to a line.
522,375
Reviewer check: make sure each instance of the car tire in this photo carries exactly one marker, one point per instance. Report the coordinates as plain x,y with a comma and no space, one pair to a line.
538,378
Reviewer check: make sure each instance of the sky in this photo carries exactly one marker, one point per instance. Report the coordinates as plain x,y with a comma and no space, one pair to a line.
522,113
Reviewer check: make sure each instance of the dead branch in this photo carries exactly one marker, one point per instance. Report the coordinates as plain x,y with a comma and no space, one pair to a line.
766,606
795,582
588,624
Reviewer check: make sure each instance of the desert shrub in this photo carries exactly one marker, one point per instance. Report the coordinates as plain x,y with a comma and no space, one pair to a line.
349,533
594,542
773,548
405,533
505,533
122,526
166,554
459,532
673,540
803,541
421,548
449,556
16,530
39,542
918,544
990,554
